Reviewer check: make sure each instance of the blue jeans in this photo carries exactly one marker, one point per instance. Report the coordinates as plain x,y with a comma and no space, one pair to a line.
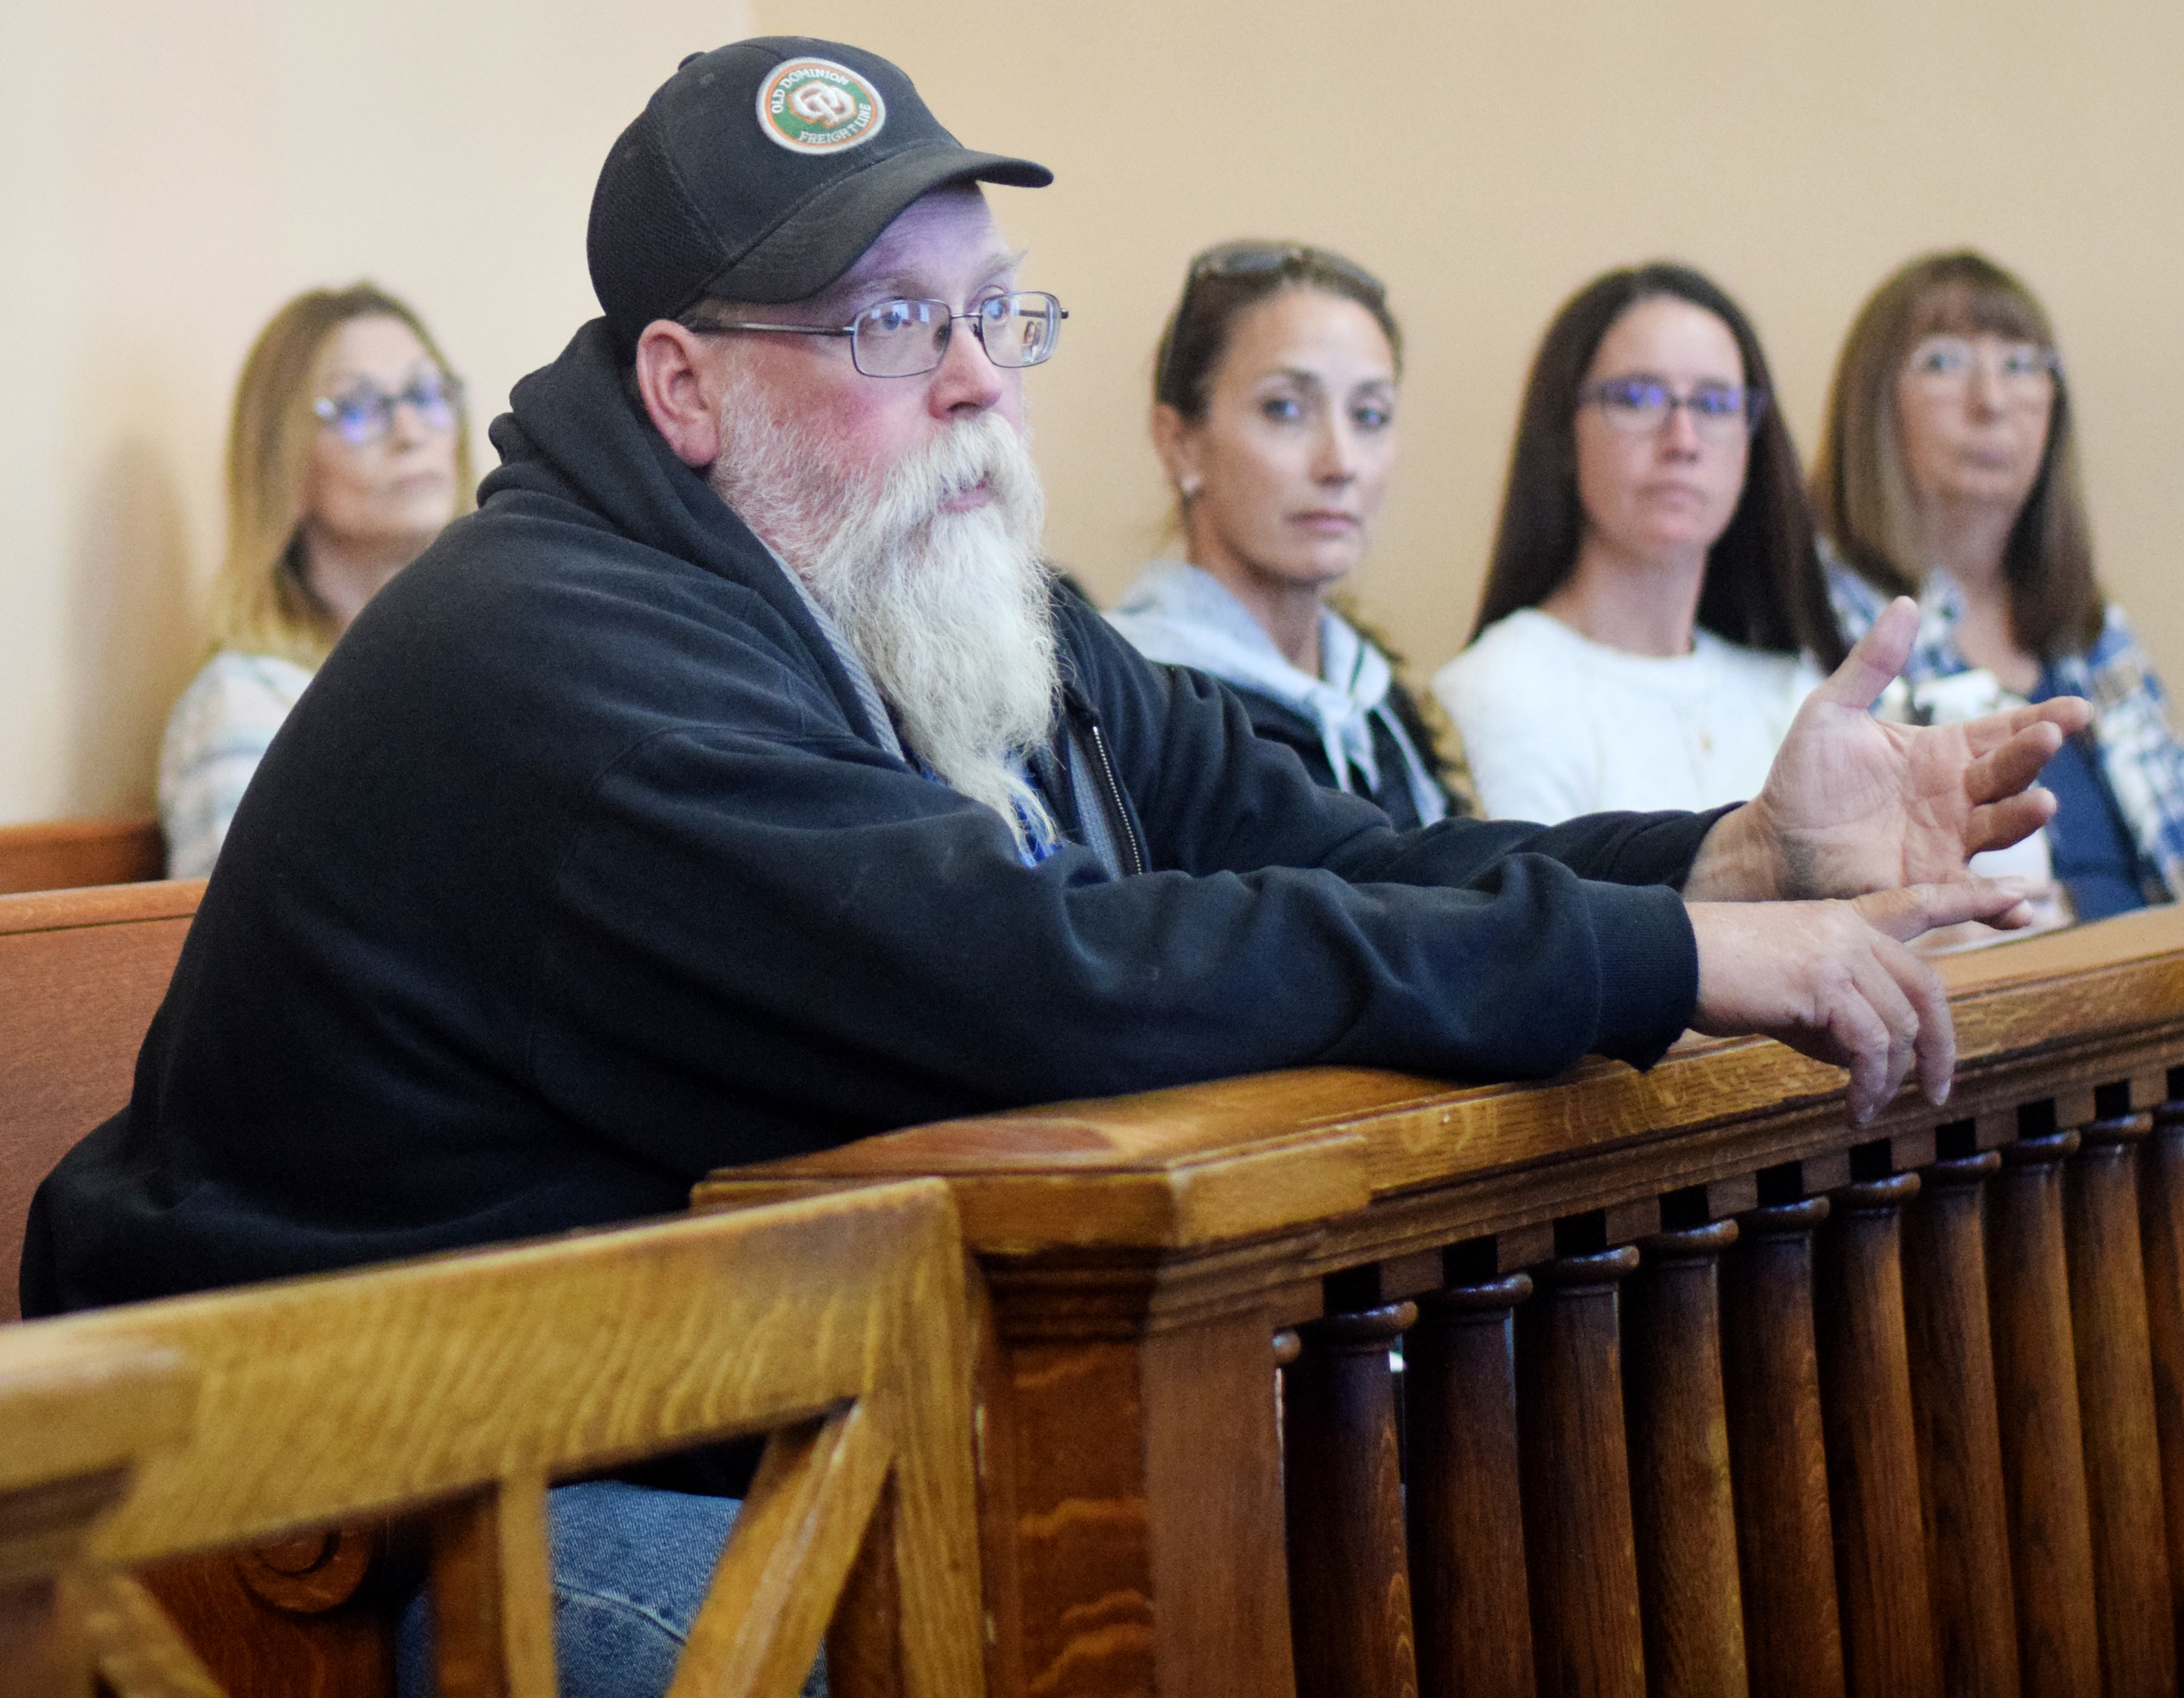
630,1567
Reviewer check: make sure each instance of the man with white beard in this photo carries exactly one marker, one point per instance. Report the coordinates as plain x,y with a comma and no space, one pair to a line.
734,783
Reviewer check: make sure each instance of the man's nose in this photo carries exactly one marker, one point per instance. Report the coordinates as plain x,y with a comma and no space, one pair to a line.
966,381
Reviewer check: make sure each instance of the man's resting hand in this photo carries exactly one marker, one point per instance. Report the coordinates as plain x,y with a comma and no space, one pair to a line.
1833,980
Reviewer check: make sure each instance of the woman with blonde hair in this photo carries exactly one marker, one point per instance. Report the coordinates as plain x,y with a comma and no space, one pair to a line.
348,452
1949,470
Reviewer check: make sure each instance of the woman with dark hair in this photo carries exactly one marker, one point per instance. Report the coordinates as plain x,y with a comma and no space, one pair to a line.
1274,414
1655,611
1949,471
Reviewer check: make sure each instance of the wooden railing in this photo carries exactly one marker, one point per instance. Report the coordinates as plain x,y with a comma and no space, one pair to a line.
1708,1390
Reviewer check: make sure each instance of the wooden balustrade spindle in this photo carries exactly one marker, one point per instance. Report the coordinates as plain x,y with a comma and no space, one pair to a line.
1579,1547
2037,1397
1350,1601
1465,1508
1945,1302
2161,1236
1872,1446
1682,1509
1770,1362
2115,1402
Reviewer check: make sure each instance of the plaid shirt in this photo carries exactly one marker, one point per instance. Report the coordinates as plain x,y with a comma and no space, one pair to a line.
2139,754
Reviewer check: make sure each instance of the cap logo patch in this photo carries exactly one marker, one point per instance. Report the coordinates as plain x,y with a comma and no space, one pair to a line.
816,106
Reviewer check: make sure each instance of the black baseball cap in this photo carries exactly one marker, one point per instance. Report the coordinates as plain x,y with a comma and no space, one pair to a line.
760,171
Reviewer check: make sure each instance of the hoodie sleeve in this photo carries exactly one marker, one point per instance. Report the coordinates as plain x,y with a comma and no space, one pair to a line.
837,946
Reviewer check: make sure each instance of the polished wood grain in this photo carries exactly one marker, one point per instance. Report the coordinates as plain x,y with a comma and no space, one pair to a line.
1350,1595
253,1646
2037,1397
1578,1544
1146,1465
1212,1217
1872,1446
139,1652
1465,1507
2115,1404
62,855
492,1613
1770,1363
1945,1304
78,1421
470,1381
1684,1512
801,1532
81,973
1190,1167
2161,1237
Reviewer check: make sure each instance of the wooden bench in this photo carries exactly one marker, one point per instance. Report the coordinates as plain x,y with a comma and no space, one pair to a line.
458,1388
65,854
81,973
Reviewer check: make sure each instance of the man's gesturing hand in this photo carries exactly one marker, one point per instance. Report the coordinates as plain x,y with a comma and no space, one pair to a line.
1833,980
1853,803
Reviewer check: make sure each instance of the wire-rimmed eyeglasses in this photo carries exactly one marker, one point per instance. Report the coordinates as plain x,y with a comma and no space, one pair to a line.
2025,372
1642,403
364,412
908,338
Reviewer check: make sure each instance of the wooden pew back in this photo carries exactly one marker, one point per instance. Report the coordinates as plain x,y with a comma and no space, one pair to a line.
65,854
81,973
459,1386
77,1420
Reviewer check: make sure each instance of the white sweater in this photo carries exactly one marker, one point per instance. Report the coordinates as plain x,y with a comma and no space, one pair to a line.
1557,724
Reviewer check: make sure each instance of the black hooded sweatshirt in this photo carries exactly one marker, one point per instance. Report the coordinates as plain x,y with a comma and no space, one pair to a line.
577,871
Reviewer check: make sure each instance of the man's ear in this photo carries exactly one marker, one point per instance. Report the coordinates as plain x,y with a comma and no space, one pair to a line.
676,376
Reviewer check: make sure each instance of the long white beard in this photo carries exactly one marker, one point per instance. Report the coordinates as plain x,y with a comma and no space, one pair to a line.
948,611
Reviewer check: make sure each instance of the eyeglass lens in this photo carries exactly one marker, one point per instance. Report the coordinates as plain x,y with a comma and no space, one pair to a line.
903,338
1718,410
1945,364
364,413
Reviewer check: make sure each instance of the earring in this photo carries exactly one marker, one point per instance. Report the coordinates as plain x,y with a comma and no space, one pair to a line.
1190,486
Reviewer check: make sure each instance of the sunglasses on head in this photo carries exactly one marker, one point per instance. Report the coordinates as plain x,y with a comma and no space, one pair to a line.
1266,259
1259,259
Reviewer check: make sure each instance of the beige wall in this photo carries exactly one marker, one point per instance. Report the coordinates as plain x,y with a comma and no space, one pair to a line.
1487,158
171,173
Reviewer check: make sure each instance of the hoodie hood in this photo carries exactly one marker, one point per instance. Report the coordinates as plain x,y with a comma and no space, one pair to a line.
575,438
1183,616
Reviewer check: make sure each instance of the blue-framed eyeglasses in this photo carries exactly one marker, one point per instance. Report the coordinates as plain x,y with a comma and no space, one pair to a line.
364,412
1642,401
907,338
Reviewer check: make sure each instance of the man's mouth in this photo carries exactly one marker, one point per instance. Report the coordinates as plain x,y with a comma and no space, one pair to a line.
969,498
